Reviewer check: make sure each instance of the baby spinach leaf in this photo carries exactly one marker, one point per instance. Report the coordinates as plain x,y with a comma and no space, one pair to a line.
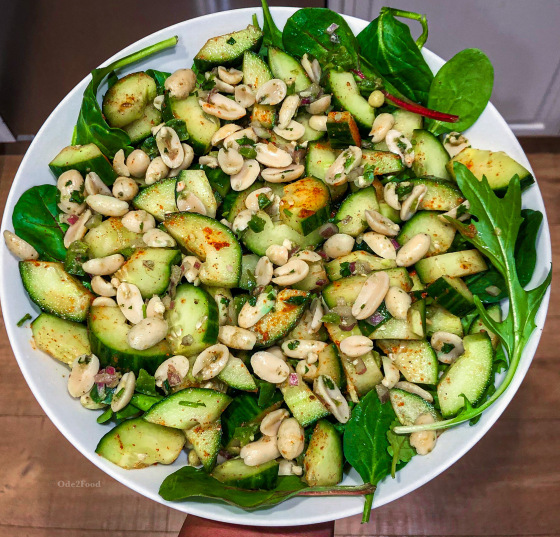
35,220
306,32
160,77
272,36
189,482
399,448
462,87
387,44
365,442
91,126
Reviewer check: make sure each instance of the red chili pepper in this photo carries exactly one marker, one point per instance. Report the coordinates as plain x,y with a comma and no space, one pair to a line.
421,110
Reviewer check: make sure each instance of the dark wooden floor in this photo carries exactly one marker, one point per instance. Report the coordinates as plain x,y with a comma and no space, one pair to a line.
507,485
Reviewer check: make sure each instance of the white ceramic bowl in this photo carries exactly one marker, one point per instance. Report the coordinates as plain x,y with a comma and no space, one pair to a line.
47,378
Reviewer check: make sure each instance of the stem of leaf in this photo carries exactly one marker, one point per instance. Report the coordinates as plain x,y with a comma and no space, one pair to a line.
367,508
413,16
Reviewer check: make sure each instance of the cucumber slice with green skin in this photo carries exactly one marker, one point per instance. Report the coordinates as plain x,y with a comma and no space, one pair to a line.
228,49
310,135
453,264
108,331
84,158
350,217
137,444
346,95
496,166
149,269
411,328
206,443
430,157
234,202
236,375
126,100
248,265
195,182
304,405
406,122
111,237
342,130
364,263
409,406
416,360
323,461
193,320
452,294
255,70
439,319
188,408
210,241
55,291
200,126
283,317
380,317
469,375
318,160
288,69
142,127
237,474
417,284
478,325
440,196
382,162
305,205
315,279
358,383
62,339
389,212
266,115
158,199
329,364
428,222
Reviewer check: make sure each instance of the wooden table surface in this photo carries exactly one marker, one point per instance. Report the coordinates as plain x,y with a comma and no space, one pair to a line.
508,484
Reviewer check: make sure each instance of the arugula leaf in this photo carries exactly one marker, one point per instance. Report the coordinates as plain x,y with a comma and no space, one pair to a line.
365,442
272,36
35,220
399,448
91,126
388,44
189,482
145,383
462,87
494,233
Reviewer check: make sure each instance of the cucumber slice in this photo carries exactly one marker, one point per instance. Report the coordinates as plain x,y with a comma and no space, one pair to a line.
316,278
329,364
323,459
389,212
54,290
108,331
411,328
111,237
452,294
142,127
237,474
255,70
478,325
318,160
417,284
305,205
439,319
382,315
430,157
206,443
136,444
248,265
346,95
310,135
441,233
453,264
195,314
351,215
126,100
304,405
409,406
187,408
358,263
416,360
62,339
149,269
469,375
342,130
407,122
440,196
281,319
236,375
288,69
158,199
496,166
200,126
228,49
195,182
234,202
382,162
210,241
84,158
265,115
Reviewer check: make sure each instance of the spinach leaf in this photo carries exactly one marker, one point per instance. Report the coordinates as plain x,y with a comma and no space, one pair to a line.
387,44
365,442
91,126
306,32
189,482
272,36
462,87
160,77
35,220
399,448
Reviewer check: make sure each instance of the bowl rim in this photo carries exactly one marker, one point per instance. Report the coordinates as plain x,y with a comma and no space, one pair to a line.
204,508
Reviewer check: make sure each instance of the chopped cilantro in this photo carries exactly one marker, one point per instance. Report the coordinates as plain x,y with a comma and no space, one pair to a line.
245,141
287,212
345,269
225,301
256,224
447,347
328,382
252,301
248,152
264,201
403,190
296,300
331,317
193,404
77,197
231,41
26,317
293,345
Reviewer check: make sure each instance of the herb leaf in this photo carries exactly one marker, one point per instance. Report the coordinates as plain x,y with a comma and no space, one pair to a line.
272,36
399,448
145,383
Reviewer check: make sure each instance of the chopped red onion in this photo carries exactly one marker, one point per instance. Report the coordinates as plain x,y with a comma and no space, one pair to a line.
347,327
110,370
72,219
328,230
382,393
332,28
305,101
100,389
358,73
293,379
320,282
352,267
395,244
375,319
360,366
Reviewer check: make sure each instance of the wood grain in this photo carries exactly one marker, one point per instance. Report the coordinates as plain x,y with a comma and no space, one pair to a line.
507,485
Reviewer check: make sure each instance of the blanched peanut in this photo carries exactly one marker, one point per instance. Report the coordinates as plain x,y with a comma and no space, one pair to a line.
220,85
231,140
119,164
241,221
209,160
103,266
124,188
272,156
123,392
290,439
293,131
263,450
223,132
312,68
440,339
423,441
244,96
308,256
410,387
173,370
269,367
220,106
397,302
320,105
180,83
147,333
277,254
348,160
371,295
283,175
187,161
190,267
253,199
413,250
288,110
107,205
102,287
380,224
376,99
325,387
355,346
130,302
401,145
390,195
104,301
318,123
191,203
156,238
292,272
271,422
137,163
69,182
230,76
411,203
170,148
380,244
382,124
317,313
248,174
155,307
138,221
211,362
251,315
338,245
272,92
301,348
156,170
82,376
87,402
391,371
20,248
237,338
94,185
263,271
230,161
289,468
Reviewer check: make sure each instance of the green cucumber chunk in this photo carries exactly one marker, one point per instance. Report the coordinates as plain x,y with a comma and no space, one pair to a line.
350,218
430,157
416,360
288,69
453,264
323,461
158,199
237,474
84,158
206,443
111,237
409,406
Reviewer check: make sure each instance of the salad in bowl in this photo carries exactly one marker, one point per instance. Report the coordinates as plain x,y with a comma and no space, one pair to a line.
286,260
